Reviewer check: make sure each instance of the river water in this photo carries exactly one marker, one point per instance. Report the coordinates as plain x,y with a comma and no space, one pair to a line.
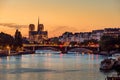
50,66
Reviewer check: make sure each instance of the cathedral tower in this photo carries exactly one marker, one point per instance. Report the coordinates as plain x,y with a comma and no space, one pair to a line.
40,26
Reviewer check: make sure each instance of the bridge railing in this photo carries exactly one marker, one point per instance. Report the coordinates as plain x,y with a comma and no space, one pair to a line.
28,45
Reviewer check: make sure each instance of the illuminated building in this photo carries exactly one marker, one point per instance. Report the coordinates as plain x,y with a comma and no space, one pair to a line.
114,32
37,36
97,34
94,35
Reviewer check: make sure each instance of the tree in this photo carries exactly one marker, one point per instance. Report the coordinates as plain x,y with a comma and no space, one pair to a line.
73,43
87,42
6,40
18,40
118,43
25,40
107,43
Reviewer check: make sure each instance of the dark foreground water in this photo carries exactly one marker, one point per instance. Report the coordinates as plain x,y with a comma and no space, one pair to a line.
51,67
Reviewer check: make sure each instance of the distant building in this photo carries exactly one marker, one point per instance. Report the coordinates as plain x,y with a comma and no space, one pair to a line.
37,36
114,32
76,37
31,27
97,34
66,37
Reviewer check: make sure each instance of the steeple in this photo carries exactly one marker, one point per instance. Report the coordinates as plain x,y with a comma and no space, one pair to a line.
38,21
38,25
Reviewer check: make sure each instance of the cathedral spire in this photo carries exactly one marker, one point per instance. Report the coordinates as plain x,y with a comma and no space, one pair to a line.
38,23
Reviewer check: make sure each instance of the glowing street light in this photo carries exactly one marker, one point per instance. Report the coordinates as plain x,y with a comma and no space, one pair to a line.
8,48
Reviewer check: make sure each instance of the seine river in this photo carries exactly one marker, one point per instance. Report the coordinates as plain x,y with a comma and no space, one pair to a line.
51,66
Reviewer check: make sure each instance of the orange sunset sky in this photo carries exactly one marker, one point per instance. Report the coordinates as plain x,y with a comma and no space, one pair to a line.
59,16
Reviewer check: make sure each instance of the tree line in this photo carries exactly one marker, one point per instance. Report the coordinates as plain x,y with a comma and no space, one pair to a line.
109,43
14,43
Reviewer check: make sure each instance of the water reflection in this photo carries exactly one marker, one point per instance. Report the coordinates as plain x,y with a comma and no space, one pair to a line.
50,66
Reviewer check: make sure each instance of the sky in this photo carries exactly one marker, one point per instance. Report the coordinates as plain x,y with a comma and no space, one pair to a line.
59,16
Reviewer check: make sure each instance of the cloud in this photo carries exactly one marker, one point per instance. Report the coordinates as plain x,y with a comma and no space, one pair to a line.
13,25
64,28
57,31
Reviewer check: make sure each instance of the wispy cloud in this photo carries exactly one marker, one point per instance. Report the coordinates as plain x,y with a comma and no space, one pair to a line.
57,31
64,28
13,25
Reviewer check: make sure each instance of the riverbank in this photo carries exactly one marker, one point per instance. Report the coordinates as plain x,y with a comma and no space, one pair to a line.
13,53
51,66
3,54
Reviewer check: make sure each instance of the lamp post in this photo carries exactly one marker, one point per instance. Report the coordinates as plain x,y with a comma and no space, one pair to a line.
8,48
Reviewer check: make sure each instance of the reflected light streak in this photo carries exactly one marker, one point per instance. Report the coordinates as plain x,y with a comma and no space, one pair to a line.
8,65
61,55
83,53
97,57
91,59
47,62
0,59
78,59
8,58
49,54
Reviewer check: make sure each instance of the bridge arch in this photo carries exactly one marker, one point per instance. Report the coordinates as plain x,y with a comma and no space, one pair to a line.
80,50
48,48
63,49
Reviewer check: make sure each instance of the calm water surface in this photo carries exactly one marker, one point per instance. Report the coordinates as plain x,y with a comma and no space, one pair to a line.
51,67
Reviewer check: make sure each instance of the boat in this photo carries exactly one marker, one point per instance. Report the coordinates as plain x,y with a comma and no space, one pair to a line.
3,53
25,52
112,78
117,55
105,53
47,51
117,66
107,64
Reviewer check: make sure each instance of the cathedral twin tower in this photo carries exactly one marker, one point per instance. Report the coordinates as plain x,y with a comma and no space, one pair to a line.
37,36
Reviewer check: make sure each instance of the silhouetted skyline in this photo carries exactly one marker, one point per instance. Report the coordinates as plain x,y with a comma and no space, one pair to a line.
59,16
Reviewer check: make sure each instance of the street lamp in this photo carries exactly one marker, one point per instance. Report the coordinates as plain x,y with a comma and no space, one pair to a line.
8,48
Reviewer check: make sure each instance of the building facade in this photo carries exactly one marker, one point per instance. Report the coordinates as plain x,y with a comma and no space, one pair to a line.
94,35
114,32
37,36
97,34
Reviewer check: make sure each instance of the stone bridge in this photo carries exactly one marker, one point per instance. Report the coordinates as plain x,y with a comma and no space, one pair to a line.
63,49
